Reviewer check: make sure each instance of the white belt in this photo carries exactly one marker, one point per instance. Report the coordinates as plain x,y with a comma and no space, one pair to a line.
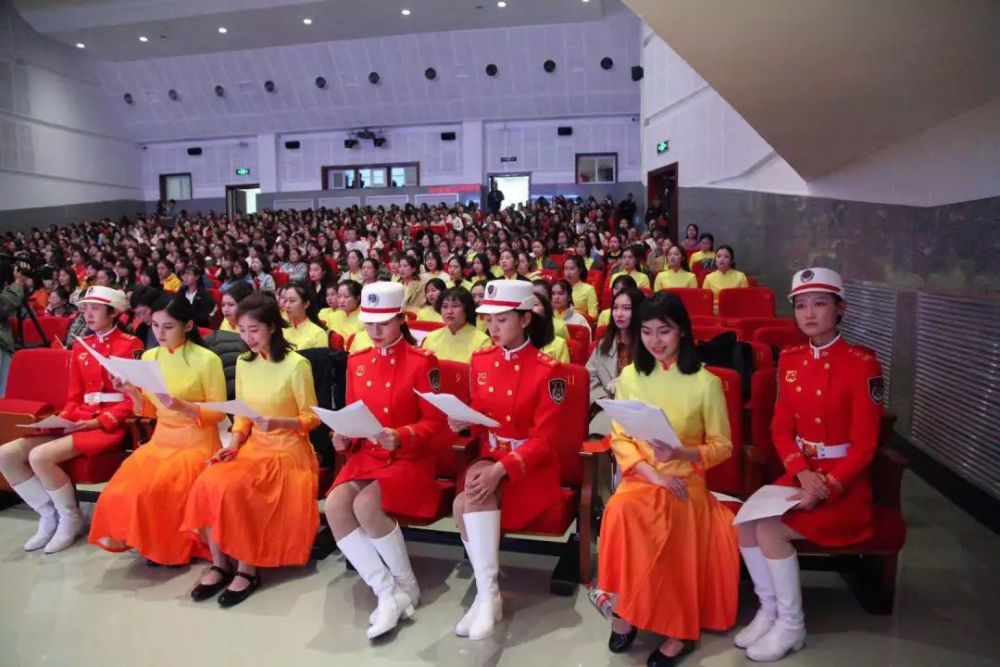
498,443
818,450
97,397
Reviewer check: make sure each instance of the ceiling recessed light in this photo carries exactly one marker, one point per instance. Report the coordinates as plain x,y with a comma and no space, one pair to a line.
307,21
405,12
501,4
81,45
143,39
222,30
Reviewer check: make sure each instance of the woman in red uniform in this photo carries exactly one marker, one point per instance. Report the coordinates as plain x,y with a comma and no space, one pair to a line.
517,475
32,464
825,429
394,474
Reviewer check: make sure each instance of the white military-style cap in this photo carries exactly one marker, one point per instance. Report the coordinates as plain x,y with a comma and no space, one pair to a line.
105,296
504,295
381,301
816,280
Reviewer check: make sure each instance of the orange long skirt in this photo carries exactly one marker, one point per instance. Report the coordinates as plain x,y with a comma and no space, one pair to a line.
261,507
673,564
143,504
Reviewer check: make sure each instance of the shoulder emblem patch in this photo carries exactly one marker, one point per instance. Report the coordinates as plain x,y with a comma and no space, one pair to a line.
435,379
557,390
876,390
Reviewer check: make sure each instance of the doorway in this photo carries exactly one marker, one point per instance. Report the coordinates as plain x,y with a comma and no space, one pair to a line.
662,185
516,188
242,199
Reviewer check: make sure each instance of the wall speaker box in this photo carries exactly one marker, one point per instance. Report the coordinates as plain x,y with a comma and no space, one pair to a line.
196,150
293,145
565,131
637,73
447,136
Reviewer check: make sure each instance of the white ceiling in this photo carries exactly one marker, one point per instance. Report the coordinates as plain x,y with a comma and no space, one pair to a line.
828,82
110,29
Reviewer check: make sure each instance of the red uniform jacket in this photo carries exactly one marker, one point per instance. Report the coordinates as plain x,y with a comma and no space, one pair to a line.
832,396
87,377
524,391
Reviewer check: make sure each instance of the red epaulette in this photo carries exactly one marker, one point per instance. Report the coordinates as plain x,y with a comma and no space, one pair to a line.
795,349
547,359
421,351
485,350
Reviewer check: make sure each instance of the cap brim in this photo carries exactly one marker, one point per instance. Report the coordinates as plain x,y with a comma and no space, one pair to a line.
814,290
493,310
376,318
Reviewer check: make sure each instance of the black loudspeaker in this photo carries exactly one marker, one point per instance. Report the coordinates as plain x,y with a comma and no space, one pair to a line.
565,131
374,78
173,94
269,86
447,136
293,145
491,70
128,98
430,73
195,150
549,66
607,63
320,82
220,91
350,143
379,142
637,73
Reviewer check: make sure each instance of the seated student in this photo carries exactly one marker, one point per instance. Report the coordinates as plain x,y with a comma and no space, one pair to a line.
409,269
369,271
631,257
303,332
433,267
141,302
260,270
526,266
517,475
456,273
613,353
355,259
563,304
613,255
508,266
459,338
676,273
230,300
325,315
705,256
142,506
617,285
169,279
433,289
543,288
255,505
725,276
825,429
584,294
667,546
556,347
59,304
30,464
478,293
199,298
591,259
226,342
482,270
691,241
393,474
346,319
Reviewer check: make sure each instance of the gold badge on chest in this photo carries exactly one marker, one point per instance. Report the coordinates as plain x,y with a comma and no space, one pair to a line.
791,376
481,379
360,371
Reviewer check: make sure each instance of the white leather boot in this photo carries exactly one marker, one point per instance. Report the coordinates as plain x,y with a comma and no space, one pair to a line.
462,627
71,522
789,632
392,549
483,529
392,601
34,495
767,614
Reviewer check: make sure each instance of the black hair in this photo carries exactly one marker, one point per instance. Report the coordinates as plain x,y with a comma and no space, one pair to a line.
708,236
690,225
625,282
485,261
441,287
374,262
167,263
580,264
353,286
180,309
154,277
562,282
431,252
144,296
732,254
307,298
666,307
541,330
684,258
464,297
265,264
239,291
610,337
263,307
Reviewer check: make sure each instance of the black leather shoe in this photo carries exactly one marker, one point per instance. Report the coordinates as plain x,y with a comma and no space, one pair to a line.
205,591
657,659
620,643
230,598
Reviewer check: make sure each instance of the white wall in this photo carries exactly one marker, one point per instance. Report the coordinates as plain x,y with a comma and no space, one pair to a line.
958,160
59,142
210,172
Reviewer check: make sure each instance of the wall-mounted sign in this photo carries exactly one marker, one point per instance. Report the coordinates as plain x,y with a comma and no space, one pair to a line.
242,171
662,147
512,158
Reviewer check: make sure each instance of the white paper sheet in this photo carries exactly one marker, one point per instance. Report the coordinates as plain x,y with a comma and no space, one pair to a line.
725,498
641,420
143,374
767,501
456,409
236,408
352,421
53,422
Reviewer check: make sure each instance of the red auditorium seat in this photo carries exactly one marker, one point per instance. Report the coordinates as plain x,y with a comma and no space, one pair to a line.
697,301
595,278
336,341
280,277
580,333
559,259
748,325
53,328
727,477
422,325
577,352
779,337
706,321
708,333
746,302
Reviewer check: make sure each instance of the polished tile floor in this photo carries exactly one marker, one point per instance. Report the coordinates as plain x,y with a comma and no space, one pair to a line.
85,607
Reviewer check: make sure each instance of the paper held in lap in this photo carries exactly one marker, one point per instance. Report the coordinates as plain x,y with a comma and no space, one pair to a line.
352,421
453,407
55,422
768,501
235,408
142,374
642,421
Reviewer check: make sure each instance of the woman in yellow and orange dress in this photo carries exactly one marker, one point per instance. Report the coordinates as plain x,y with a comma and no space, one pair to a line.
668,550
143,505
256,503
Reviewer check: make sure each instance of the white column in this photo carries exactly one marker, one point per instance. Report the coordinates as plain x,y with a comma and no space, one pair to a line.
472,151
267,162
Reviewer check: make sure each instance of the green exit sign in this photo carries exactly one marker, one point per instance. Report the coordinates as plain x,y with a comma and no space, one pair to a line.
663,147
243,171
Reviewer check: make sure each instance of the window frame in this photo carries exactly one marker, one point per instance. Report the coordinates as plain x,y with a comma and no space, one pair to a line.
357,168
163,184
595,156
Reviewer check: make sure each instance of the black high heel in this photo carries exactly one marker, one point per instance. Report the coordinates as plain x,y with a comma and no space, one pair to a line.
619,643
204,591
230,598
657,659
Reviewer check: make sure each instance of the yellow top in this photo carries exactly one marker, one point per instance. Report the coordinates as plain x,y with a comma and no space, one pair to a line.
361,341
448,346
604,319
282,389
225,326
585,298
172,283
640,278
428,314
481,323
588,262
467,284
674,278
341,321
701,255
718,281
559,326
696,408
349,275
414,298
558,349
306,335
497,271
194,374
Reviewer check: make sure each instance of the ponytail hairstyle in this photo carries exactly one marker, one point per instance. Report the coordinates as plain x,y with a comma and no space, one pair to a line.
263,307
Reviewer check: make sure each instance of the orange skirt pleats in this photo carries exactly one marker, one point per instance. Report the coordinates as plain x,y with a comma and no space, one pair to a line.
143,504
261,507
672,564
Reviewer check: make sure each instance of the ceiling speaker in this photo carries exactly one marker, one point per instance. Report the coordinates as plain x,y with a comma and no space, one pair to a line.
379,142
293,145
607,63
374,78
129,99
430,73
549,66
637,73
350,143
173,94
220,91
269,86
194,151
320,82
491,70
